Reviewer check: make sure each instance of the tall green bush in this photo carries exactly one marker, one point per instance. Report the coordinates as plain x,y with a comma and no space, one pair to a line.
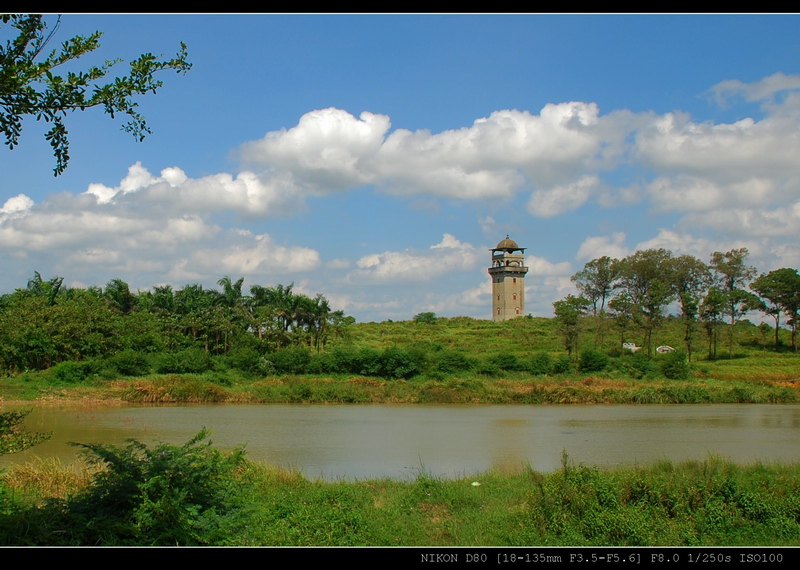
675,365
165,495
592,361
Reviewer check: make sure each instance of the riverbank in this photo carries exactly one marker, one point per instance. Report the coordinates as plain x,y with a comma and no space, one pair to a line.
770,386
699,503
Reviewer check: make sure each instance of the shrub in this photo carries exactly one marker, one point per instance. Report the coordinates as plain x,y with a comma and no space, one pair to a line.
71,372
541,363
247,360
562,364
397,363
638,365
130,363
592,361
188,361
166,495
675,365
428,318
13,437
290,360
448,361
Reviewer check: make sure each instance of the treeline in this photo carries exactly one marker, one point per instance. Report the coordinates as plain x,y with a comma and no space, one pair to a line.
633,295
163,329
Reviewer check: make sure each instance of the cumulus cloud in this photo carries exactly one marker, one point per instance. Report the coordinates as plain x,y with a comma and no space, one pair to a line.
151,226
599,246
256,255
729,152
559,199
15,206
245,194
330,150
448,255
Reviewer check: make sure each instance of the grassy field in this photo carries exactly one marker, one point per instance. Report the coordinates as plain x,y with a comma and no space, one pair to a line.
710,502
461,360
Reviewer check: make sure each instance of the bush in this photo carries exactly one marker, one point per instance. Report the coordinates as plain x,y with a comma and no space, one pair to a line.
562,365
290,360
428,318
130,363
541,363
592,361
188,361
71,372
247,360
167,495
448,361
637,365
397,363
675,365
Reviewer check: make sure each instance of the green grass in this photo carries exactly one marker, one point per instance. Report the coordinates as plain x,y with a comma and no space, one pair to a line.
463,360
698,503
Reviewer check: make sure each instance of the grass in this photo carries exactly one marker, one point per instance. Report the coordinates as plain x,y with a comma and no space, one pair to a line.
465,360
697,503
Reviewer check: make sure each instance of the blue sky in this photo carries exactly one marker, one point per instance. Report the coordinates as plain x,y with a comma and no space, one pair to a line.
376,158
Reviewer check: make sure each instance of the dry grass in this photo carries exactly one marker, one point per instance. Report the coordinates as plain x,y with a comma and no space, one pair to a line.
47,477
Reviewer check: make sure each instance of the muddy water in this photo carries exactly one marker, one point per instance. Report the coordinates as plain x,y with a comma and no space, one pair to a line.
357,441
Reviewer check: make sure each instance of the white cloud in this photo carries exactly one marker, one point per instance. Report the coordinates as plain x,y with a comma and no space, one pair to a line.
756,91
560,199
15,206
599,246
448,255
539,266
255,255
681,244
331,150
728,152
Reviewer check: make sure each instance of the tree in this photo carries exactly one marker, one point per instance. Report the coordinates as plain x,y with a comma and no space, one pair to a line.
568,312
29,88
690,279
781,288
712,309
427,317
597,282
732,275
645,276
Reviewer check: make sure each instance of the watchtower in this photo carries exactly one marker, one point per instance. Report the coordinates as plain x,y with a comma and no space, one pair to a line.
508,280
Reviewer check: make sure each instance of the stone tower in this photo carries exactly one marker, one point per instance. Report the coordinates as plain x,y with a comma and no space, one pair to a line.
508,280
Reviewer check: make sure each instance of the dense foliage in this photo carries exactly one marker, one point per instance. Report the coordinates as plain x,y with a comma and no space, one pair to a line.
115,331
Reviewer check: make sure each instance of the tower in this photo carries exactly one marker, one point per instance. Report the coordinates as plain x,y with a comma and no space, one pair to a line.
508,280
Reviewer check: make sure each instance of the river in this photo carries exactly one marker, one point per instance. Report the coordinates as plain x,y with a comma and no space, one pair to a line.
397,441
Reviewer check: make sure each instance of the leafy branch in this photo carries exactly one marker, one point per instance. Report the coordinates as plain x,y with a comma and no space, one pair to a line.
29,88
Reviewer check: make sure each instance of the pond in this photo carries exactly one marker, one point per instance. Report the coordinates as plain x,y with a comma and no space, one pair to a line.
397,441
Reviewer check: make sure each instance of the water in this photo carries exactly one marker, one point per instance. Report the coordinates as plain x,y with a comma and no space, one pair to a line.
397,441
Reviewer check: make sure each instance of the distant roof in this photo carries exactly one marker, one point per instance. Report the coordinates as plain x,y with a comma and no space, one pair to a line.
508,244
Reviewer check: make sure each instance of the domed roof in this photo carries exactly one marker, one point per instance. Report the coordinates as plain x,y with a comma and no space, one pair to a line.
508,244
